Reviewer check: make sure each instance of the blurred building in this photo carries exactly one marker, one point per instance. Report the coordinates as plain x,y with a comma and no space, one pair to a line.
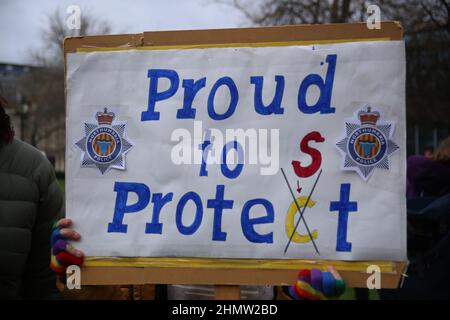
9,74
24,110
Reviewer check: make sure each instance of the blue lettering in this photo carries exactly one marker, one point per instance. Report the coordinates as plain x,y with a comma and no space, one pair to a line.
158,203
205,147
323,104
248,224
154,95
234,97
198,213
218,204
275,106
122,189
190,90
232,174
343,206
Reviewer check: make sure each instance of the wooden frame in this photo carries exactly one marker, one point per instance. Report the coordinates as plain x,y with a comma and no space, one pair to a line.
228,276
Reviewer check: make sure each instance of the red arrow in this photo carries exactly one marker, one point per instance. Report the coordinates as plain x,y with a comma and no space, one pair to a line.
299,189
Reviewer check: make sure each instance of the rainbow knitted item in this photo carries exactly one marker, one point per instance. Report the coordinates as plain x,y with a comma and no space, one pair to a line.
315,284
56,267
60,258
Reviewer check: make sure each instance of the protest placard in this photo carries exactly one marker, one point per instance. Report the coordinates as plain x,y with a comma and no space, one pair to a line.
209,147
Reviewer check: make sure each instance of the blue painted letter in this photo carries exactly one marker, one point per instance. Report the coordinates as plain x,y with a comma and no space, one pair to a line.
219,204
122,189
343,206
205,147
232,174
275,106
158,203
234,97
154,95
190,90
198,213
248,224
323,104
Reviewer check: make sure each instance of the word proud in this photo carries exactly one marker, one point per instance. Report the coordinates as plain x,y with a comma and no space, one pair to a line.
250,146
194,87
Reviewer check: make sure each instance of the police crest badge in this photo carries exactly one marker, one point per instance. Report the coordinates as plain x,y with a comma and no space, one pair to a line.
367,144
104,145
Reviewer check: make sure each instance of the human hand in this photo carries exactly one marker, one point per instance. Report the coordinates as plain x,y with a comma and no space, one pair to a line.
315,284
63,253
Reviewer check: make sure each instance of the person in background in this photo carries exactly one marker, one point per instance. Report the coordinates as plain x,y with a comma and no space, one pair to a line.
30,202
428,152
429,176
428,227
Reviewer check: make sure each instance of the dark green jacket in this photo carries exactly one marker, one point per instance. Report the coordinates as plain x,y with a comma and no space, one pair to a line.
30,200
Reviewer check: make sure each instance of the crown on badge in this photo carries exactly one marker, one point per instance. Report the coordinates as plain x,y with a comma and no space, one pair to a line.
368,117
105,117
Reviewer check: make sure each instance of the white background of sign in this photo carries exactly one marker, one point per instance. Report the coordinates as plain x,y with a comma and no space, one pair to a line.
366,72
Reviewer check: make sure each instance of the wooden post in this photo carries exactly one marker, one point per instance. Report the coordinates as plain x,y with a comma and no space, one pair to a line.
224,292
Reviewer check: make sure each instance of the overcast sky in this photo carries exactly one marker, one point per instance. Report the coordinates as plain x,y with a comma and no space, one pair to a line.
22,21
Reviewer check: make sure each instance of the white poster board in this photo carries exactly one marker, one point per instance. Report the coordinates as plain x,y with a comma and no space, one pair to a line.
137,184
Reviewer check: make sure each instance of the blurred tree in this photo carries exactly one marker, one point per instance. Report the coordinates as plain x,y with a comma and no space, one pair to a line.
427,34
412,13
43,87
51,54
281,12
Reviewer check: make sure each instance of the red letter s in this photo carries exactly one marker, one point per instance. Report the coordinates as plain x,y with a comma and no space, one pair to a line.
305,172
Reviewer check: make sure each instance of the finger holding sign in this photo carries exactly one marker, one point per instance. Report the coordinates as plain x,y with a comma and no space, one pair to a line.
69,234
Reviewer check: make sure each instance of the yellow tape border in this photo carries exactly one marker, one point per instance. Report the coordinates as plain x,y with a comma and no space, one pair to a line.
227,45
186,262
